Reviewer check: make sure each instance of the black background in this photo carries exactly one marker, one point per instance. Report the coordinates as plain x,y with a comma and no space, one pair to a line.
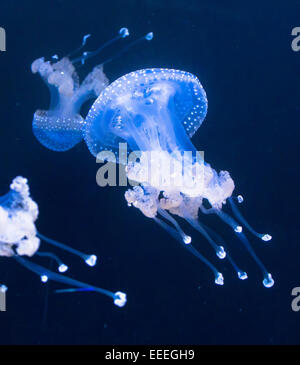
241,52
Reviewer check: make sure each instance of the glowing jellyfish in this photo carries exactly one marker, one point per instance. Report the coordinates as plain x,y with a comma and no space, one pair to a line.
60,127
19,238
157,111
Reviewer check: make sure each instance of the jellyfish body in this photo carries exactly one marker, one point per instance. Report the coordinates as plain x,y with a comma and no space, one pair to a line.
157,111
19,237
18,213
131,109
60,127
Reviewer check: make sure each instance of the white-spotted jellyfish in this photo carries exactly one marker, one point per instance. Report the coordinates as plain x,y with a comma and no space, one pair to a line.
19,237
156,112
60,127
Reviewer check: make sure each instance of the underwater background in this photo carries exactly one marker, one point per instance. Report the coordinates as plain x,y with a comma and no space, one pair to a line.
241,52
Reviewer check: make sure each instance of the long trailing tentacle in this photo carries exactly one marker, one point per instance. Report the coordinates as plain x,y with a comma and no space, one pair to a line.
186,239
263,236
220,251
61,266
218,276
89,259
267,277
45,274
241,274
123,32
147,37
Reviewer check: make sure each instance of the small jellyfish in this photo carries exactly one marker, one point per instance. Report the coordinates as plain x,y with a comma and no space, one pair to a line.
60,127
156,112
19,237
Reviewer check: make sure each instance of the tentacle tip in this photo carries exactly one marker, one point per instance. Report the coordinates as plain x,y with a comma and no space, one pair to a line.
44,278
238,229
149,36
3,288
240,199
85,37
219,280
120,299
242,275
266,237
268,281
187,239
124,32
221,253
63,268
91,260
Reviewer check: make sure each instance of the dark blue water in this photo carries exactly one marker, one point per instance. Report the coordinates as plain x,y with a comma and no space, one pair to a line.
241,52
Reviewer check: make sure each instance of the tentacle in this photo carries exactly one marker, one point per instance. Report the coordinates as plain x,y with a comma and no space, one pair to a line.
147,37
186,239
220,251
218,276
229,220
83,43
61,266
89,259
241,274
123,32
45,274
268,280
263,236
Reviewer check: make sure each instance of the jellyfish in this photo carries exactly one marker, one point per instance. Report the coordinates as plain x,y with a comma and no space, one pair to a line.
60,127
156,112
19,237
